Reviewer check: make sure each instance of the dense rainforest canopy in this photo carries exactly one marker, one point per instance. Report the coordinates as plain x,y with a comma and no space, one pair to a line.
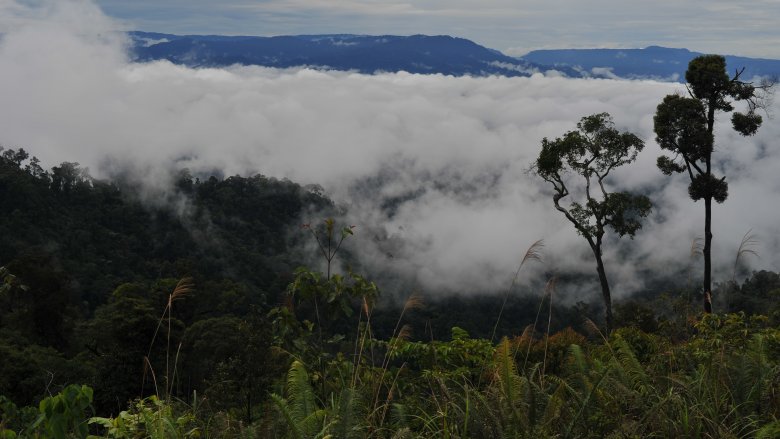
184,313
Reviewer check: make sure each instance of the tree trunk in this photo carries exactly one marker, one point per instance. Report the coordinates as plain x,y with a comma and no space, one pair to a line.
604,287
707,252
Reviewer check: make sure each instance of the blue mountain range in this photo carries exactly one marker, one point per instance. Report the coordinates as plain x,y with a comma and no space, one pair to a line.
361,53
652,62
423,54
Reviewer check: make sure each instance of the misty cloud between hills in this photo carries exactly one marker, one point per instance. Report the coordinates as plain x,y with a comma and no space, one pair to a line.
433,169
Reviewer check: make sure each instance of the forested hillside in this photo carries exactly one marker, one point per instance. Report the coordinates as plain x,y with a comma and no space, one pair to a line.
93,265
184,313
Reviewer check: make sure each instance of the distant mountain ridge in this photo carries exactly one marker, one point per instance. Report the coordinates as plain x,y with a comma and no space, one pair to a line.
362,53
653,62
440,54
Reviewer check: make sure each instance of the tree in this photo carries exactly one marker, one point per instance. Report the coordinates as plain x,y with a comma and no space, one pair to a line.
593,152
69,177
684,126
230,360
43,309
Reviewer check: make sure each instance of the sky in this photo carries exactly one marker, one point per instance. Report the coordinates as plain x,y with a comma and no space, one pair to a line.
744,27
456,149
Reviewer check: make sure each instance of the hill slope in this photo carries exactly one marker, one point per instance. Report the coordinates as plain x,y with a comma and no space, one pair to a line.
365,54
652,62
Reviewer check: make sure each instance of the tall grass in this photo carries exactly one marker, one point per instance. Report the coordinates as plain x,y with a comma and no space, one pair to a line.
184,287
723,383
746,248
534,253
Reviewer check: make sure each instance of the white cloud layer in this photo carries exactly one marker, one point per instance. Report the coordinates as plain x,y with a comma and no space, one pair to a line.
456,149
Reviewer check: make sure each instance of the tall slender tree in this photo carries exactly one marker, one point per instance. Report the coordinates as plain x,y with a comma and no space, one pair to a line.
684,125
592,152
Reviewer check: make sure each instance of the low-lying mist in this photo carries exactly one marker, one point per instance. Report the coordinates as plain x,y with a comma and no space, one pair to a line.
432,170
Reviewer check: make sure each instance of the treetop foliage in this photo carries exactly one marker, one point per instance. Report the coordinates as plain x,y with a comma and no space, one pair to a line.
593,151
680,125
684,124
709,81
595,148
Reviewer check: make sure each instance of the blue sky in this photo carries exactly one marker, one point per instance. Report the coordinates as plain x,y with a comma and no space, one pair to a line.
744,27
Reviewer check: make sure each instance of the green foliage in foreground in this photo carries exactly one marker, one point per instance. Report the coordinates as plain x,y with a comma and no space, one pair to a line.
723,382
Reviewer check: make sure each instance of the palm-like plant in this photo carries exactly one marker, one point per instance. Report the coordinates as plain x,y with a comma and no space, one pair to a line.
303,416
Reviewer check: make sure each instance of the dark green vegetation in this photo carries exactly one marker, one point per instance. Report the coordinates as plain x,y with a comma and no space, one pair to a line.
182,314
90,295
93,268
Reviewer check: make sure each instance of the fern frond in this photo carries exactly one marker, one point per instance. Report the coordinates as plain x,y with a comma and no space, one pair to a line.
404,433
399,415
555,402
314,425
586,402
511,386
769,431
299,392
629,366
292,422
349,409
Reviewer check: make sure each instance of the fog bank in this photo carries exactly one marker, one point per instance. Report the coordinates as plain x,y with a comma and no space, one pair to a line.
433,169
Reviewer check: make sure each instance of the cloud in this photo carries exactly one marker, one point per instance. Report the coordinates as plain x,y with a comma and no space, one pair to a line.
432,168
747,27
604,72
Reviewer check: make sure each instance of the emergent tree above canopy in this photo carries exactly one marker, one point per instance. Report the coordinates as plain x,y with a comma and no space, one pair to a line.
592,153
684,126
